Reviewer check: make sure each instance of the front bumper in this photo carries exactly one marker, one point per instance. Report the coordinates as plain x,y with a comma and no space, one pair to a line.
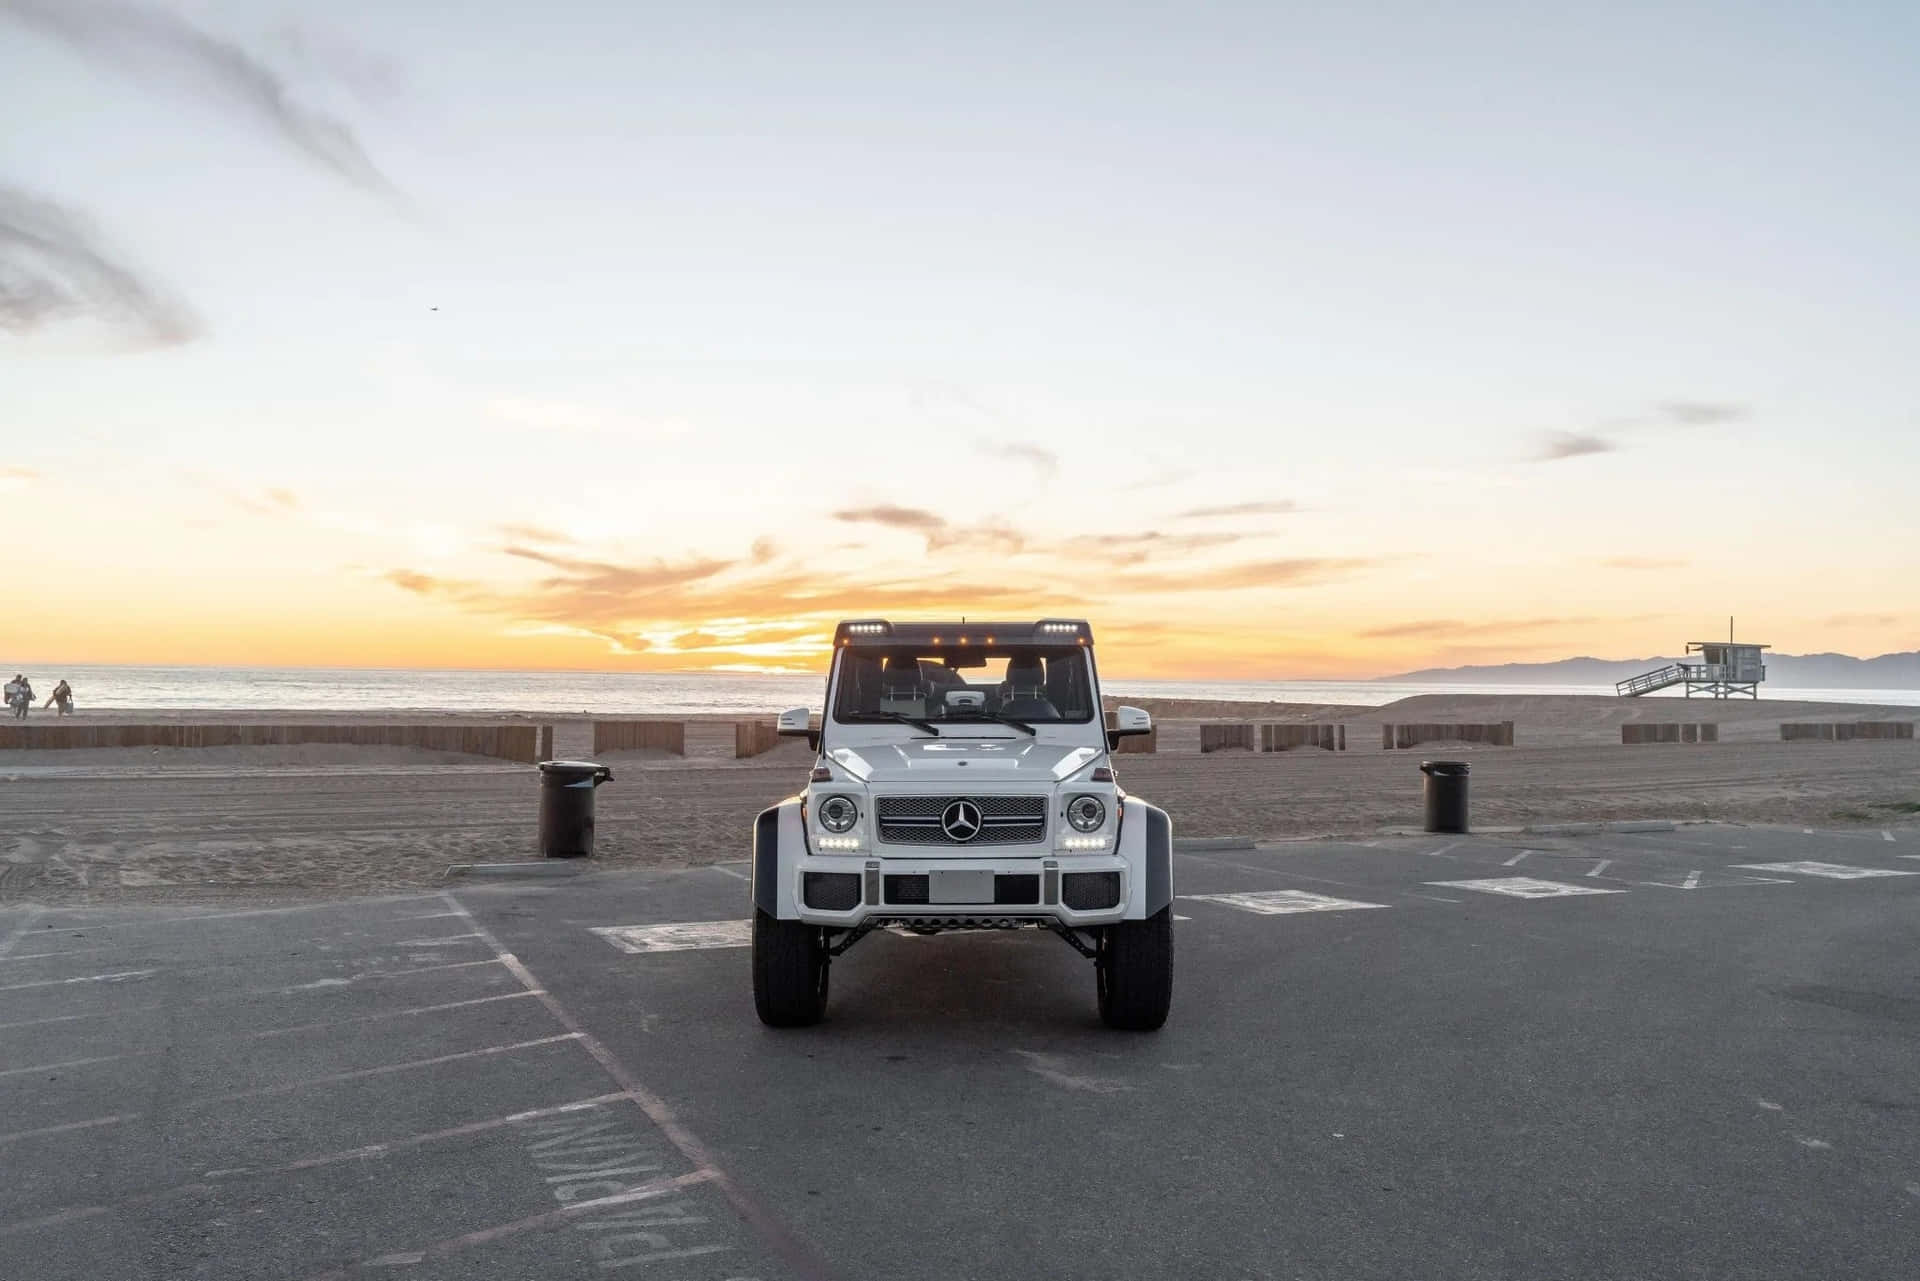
887,885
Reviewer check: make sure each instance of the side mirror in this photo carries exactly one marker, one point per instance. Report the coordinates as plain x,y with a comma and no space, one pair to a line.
1126,722
797,722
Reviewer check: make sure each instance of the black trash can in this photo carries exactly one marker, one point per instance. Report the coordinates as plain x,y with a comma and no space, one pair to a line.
566,807
1446,794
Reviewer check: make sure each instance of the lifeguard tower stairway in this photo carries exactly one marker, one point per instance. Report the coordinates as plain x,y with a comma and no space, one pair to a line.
1724,669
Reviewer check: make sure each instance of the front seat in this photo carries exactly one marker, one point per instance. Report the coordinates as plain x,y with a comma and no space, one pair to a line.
1024,695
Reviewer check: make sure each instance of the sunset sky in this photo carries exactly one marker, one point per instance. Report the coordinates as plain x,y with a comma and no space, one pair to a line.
1281,341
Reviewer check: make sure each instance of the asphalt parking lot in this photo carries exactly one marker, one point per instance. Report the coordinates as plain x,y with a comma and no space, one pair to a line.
1662,1054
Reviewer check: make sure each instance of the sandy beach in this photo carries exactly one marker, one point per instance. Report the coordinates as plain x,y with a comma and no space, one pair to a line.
253,822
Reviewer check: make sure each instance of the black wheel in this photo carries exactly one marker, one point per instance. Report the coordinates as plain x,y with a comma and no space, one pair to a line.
1134,972
789,971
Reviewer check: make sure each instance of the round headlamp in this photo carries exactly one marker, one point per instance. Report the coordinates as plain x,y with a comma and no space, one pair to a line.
838,813
1086,813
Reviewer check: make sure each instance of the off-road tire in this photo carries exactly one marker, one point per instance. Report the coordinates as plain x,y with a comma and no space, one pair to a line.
789,972
1134,972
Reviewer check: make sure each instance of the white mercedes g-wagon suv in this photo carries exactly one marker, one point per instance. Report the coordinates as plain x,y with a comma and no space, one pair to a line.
963,782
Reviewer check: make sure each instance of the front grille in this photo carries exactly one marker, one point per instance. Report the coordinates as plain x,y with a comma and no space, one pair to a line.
831,891
1010,889
1090,891
1004,820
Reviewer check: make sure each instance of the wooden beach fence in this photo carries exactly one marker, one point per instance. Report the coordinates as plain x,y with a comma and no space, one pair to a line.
640,736
1492,733
750,738
546,743
503,742
1671,732
1844,731
1284,738
1221,738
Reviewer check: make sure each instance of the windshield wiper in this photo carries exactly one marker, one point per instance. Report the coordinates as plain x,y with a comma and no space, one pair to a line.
1029,730
904,719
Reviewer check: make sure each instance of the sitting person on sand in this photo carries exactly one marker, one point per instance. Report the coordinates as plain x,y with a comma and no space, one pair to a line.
62,697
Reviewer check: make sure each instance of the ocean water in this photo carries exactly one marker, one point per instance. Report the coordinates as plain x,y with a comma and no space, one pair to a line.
573,693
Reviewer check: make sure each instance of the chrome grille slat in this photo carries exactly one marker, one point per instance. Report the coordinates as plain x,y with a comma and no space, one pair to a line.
1004,820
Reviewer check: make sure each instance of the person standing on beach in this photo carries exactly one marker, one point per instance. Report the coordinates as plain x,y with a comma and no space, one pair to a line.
62,697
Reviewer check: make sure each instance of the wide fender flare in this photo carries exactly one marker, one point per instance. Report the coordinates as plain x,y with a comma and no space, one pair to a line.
778,830
1146,842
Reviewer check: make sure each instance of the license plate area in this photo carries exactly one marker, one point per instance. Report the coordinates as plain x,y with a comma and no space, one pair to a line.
965,886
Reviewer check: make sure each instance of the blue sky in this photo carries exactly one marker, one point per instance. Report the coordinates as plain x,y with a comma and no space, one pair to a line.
712,277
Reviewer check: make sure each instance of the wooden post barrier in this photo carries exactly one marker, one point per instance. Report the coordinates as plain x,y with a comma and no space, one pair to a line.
546,743
1843,731
750,738
503,742
641,736
1219,738
1671,732
1147,742
1492,733
1282,738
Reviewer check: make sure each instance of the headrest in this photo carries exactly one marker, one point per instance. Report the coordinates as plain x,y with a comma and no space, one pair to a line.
1025,670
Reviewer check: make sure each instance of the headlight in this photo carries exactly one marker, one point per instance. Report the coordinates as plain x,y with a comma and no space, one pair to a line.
838,813
1086,813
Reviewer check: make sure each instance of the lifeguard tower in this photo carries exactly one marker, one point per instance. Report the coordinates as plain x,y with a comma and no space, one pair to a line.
1725,669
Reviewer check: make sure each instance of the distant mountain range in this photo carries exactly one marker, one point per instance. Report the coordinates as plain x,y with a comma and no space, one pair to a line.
1784,671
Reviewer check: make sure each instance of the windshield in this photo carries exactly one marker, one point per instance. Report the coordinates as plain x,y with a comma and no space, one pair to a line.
1034,684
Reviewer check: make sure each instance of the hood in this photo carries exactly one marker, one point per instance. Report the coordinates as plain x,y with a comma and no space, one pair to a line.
999,760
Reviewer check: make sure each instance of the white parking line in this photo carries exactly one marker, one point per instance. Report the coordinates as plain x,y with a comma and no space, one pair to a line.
118,976
727,871
1885,835
1515,860
680,936
1524,887
1444,850
387,1014
1600,867
1832,871
72,1063
384,1070
71,1125
1281,902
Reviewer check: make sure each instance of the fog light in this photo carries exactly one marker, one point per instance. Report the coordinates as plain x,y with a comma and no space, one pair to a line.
838,842
1084,843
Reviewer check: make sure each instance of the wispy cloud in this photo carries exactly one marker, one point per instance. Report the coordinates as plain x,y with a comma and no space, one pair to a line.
1701,413
266,502
939,532
1455,627
1265,507
12,478
55,268
1133,549
1566,444
1045,463
162,47
524,533
1643,562
1289,572
1863,620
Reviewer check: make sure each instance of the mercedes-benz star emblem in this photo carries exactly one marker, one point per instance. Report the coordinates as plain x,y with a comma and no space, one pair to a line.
960,821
